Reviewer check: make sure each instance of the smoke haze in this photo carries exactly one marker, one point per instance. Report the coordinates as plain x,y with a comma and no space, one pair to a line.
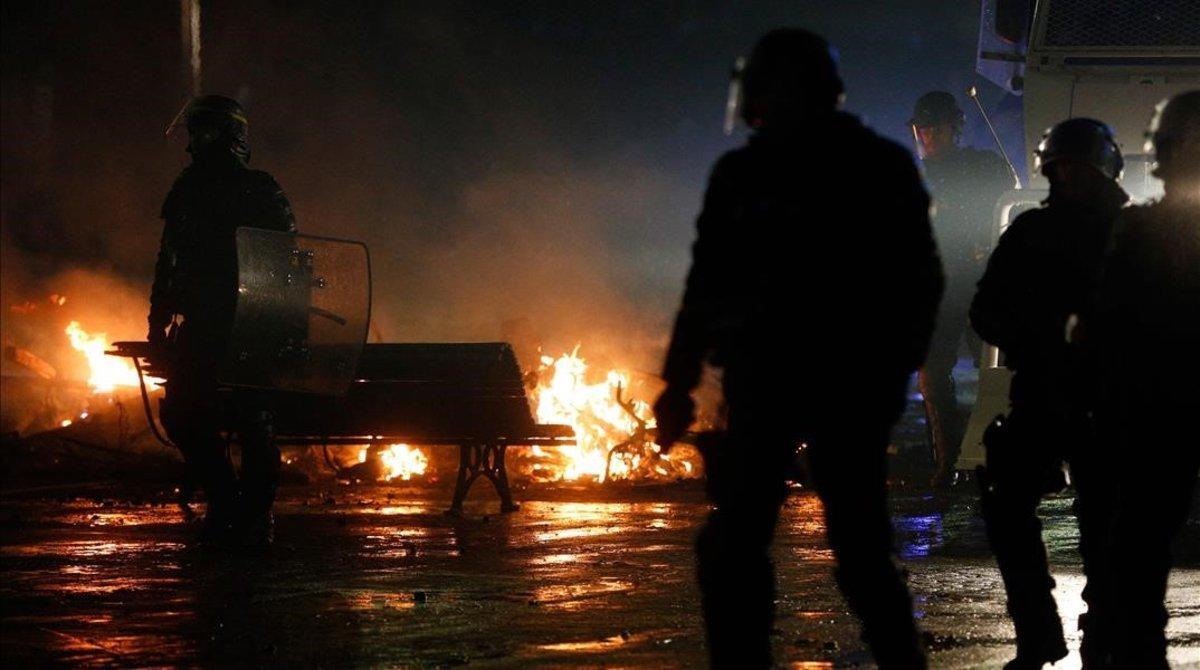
527,171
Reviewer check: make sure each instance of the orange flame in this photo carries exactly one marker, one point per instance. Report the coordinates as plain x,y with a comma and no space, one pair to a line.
400,461
600,422
107,372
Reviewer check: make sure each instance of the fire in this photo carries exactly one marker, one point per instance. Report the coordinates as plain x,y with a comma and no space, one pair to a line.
29,306
611,432
107,372
399,461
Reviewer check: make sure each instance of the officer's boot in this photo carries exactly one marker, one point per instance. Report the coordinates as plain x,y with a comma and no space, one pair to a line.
1095,646
875,589
1094,511
737,595
259,482
1039,633
1015,535
207,459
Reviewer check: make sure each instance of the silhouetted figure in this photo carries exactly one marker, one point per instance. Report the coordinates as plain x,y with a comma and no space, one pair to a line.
814,284
965,184
1149,333
1040,283
191,313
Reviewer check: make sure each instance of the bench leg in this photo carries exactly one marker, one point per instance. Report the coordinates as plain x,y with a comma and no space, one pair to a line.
463,483
486,460
499,477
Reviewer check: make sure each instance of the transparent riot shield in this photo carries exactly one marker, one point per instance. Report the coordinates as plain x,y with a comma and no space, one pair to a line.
303,308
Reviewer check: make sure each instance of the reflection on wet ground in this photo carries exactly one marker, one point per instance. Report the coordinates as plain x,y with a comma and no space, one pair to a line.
379,576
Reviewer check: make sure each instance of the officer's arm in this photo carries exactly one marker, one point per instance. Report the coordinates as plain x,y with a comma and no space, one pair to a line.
271,208
690,341
1005,310
994,309
162,291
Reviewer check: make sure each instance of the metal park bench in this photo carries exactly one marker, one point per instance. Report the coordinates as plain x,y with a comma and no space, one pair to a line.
469,395
298,341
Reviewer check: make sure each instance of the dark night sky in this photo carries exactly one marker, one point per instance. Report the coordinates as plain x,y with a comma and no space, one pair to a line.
537,160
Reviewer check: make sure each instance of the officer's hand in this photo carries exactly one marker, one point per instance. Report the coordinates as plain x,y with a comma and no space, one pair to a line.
157,337
1075,330
674,411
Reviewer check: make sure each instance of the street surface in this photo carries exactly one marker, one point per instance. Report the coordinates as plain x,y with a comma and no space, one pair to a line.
379,576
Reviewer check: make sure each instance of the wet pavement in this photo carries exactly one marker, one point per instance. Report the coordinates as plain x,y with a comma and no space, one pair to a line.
379,576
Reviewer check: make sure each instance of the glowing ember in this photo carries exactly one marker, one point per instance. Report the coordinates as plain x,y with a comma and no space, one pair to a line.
610,431
107,372
29,306
399,461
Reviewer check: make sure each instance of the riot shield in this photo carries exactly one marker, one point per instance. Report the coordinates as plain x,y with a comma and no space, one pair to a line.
303,308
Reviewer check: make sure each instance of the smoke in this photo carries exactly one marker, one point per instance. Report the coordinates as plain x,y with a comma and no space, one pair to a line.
523,173
38,309
484,219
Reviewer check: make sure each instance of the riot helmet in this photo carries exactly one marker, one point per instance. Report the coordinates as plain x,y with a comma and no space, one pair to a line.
937,108
215,123
1174,137
790,75
936,123
1082,140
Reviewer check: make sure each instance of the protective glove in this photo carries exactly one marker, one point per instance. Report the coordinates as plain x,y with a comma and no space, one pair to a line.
157,337
674,411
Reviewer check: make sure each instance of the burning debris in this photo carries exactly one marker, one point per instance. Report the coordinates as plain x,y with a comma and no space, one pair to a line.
107,372
31,362
377,463
55,370
29,306
611,418
614,435
402,461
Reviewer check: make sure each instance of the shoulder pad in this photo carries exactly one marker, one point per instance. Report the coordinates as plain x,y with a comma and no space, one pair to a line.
259,182
893,150
172,202
1029,221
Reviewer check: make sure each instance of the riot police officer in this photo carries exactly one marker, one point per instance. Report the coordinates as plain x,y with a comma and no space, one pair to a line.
1149,331
191,313
1040,283
812,281
965,184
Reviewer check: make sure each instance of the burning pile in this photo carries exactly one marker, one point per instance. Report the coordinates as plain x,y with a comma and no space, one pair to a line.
614,434
399,461
615,439
55,370
104,373
614,431
107,372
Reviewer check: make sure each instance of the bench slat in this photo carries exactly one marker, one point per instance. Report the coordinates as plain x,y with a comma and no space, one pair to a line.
475,362
437,393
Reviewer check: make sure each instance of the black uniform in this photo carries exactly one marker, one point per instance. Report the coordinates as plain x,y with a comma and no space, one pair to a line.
965,184
196,279
1149,329
1046,268
814,284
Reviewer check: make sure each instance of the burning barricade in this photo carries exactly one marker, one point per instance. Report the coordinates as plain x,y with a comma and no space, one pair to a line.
56,375
614,432
606,408
614,436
